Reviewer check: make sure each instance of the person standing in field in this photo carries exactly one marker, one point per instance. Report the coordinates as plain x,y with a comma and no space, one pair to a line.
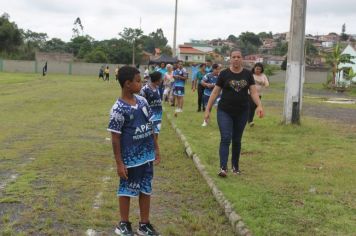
261,83
162,69
117,72
135,149
200,89
180,76
101,73
107,73
168,84
233,83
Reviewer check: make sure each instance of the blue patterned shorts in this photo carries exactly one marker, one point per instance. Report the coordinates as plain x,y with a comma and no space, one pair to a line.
178,91
139,181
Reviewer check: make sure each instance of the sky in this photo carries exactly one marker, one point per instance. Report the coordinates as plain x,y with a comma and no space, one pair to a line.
197,19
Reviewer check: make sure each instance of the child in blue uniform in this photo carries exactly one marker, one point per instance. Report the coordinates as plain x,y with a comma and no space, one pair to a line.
152,94
208,82
135,149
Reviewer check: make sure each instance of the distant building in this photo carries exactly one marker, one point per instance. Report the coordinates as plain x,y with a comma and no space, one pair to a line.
187,53
341,77
274,60
251,60
327,44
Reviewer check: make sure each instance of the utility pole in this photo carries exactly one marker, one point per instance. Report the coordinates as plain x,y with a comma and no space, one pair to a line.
133,53
175,31
295,64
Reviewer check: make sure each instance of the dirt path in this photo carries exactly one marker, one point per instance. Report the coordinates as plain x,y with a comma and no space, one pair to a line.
336,114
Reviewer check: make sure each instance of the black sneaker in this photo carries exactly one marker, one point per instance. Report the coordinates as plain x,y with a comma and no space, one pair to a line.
222,173
236,171
124,229
147,230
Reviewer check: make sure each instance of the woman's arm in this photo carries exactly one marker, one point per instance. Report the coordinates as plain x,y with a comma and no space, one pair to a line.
256,99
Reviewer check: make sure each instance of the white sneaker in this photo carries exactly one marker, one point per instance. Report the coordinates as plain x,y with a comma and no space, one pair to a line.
176,110
204,123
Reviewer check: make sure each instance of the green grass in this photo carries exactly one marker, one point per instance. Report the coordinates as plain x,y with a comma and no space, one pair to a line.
53,139
297,180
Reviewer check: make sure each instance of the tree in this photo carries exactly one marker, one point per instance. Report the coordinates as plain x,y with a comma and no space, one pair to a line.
343,35
232,38
97,55
250,38
155,40
335,58
132,36
34,40
264,35
54,45
10,35
78,28
76,43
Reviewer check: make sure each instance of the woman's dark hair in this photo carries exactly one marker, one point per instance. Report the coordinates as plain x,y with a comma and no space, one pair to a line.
127,73
202,65
155,76
258,64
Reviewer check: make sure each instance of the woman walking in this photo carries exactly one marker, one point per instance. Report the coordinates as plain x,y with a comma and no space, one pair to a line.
234,83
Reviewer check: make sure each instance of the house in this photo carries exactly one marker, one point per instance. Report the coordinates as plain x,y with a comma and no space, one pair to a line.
341,77
250,60
274,60
188,53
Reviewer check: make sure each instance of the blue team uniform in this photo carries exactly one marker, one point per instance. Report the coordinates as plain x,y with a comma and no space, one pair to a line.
209,79
179,83
154,100
133,123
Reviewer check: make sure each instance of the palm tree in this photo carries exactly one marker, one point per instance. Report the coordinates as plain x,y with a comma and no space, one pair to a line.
335,58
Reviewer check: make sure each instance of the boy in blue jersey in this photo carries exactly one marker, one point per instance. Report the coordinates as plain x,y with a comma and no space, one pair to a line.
180,76
152,94
135,149
208,82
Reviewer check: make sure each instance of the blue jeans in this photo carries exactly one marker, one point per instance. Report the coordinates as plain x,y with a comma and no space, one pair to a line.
231,129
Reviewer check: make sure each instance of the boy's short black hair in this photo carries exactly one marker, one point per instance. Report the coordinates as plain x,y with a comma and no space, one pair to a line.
202,65
215,66
155,76
127,73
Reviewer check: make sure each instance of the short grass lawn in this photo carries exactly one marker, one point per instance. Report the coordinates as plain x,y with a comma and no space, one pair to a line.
296,180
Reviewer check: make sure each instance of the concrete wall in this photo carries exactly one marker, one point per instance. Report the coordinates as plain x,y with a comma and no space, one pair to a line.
55,67
310,76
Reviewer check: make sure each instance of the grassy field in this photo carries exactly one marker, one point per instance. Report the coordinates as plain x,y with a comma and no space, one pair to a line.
57,173
297,180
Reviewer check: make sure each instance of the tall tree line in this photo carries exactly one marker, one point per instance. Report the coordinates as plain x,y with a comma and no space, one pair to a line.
16,43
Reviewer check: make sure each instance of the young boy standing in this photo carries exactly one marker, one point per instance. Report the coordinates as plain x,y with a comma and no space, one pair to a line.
152,94
135,149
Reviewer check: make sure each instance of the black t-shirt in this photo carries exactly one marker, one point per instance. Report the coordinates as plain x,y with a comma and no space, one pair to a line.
234,97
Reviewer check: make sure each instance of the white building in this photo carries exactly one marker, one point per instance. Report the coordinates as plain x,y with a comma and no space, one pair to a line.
347,66
189,54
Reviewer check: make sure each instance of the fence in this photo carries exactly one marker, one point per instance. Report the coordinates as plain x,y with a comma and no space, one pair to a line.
55,67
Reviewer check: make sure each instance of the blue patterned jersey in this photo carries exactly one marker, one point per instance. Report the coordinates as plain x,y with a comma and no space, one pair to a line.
133,123
179,82
209,79
153,98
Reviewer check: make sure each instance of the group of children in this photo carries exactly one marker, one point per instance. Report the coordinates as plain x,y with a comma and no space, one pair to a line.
135,123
